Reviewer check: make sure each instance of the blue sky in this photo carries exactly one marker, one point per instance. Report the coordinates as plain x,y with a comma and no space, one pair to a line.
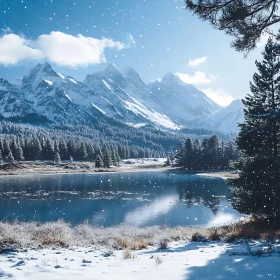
79,37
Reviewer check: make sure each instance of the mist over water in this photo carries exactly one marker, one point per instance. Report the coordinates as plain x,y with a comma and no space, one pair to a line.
137,199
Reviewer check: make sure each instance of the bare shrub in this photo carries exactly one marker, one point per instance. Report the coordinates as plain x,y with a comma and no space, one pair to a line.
139,244
163,244
128,254
197,237
158,260
58,233
214,235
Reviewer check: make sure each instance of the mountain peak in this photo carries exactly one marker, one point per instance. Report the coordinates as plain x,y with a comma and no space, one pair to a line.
112,68
2,80
130,73
42,67
41,71
170,77
3,83
46,66
113,73
235,104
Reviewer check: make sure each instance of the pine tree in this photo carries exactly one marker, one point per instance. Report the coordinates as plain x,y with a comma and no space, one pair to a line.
107,159
1,158
35,149
188,153
171,157
71,159
6,148
168,161
63,150
214,153
196,155
56,147
180,156
13,146
206,156
98,161
18,153
115,157
98,152
245,20
258,185
1,145
83,155
260,131
9,158
48,150
90,153
57,158
72,149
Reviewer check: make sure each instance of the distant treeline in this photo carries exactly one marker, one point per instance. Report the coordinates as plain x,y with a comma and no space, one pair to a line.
210,154
105,146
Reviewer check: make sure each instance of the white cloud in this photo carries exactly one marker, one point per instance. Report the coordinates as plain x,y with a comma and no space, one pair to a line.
197,61
14,48
219,95
58,47
198,78
68,50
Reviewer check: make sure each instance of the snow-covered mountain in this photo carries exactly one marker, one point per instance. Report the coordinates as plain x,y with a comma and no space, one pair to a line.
184,102
112,94
129,95
226,120
12,102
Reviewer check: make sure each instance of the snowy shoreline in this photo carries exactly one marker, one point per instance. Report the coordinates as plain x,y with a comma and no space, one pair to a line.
182,260
223,175
139,165
40,168
59,251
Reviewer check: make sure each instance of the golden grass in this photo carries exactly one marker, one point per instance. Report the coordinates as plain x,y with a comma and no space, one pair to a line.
128,254
61,234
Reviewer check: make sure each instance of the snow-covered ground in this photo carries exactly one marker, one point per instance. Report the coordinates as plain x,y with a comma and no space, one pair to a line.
220,174
142,162
183,260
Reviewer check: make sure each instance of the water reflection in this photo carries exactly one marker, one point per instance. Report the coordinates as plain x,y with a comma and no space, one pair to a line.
141,199
148,213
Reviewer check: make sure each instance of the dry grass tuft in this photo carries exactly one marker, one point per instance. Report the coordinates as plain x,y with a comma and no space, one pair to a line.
158,260
198,237
214,235
163,244
18,235
253,229
128,254
139,244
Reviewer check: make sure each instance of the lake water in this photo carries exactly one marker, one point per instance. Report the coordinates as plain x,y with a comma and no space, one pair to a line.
138,199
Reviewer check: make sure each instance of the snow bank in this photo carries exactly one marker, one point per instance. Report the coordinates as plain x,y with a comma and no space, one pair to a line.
188,260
